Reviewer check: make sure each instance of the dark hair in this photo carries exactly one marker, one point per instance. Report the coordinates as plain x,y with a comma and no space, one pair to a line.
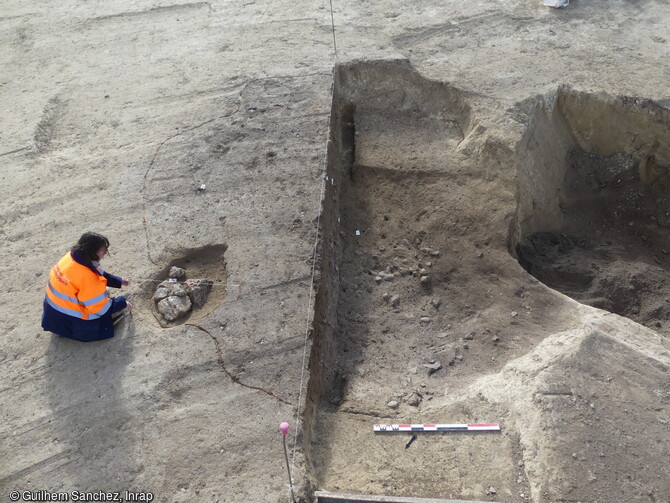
89,243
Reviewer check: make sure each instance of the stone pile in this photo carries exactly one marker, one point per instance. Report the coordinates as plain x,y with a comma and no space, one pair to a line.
176,297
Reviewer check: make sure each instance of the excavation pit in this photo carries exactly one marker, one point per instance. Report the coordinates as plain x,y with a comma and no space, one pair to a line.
594,206
393,227
423,316
189,288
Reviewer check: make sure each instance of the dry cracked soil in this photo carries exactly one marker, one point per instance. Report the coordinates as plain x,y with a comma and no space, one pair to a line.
443,212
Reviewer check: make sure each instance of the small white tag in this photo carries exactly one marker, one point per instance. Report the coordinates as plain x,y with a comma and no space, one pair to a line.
172,280
358,233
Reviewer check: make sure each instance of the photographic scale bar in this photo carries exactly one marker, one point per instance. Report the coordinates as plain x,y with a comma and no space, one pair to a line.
392,428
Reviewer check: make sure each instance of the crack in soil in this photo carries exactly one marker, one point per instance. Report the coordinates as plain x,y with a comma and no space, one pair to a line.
231,376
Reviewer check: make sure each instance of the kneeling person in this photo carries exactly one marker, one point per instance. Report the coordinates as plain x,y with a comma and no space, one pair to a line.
77,304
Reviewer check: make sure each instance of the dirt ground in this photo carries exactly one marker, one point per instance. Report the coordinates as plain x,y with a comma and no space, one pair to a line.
452,212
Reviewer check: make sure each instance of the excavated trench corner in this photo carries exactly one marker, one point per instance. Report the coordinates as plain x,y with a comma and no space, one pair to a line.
593,211
395,162
205,263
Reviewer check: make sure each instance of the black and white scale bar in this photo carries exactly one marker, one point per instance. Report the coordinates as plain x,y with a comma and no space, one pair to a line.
392,428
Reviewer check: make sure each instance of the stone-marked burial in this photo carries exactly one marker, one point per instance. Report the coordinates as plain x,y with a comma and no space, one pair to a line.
434,215
178,293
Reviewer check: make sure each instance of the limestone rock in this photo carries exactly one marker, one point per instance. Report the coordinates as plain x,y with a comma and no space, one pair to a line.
161,293
177,272
178,291
174,307
198,290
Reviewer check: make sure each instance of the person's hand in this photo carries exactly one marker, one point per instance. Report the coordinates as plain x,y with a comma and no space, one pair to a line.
129,306
125,281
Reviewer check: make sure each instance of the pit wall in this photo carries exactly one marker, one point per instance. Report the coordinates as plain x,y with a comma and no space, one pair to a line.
394,85
596,123
541,171
324,325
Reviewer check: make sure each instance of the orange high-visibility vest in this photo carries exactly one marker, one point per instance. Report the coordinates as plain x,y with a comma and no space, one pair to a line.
76,290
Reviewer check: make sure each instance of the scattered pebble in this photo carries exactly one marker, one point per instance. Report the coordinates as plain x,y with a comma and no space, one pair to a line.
425,280
514,313
393,404
414,400
430,251
425,319
433,366
395,301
